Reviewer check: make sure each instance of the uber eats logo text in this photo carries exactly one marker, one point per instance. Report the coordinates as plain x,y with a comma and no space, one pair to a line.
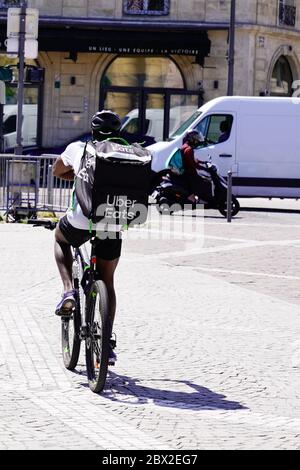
120,207
121,210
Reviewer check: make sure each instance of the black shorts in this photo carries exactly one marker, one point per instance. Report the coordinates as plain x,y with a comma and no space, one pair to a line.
108,248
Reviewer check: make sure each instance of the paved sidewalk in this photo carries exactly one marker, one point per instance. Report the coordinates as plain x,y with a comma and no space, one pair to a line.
203,361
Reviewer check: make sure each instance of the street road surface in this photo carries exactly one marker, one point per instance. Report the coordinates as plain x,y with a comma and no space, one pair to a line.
208,341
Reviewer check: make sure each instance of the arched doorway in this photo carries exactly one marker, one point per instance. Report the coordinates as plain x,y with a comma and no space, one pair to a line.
282,78
149,94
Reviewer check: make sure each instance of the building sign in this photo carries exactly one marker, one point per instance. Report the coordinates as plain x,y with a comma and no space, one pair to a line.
143,50
125,42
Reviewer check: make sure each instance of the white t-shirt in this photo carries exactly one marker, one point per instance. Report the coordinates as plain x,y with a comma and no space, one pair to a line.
72,157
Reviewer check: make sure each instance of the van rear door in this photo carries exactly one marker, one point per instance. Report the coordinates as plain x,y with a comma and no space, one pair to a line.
10,130
268,152
29,129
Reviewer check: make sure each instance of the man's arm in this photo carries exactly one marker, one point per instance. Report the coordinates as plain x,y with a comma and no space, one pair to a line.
190,164
60,170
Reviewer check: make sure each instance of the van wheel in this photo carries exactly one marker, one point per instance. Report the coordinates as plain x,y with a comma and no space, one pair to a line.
235,207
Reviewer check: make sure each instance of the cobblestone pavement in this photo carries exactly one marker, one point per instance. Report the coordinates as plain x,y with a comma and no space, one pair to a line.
208,343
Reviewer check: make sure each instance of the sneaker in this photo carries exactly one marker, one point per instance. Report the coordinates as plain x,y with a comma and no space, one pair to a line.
112,357
66,305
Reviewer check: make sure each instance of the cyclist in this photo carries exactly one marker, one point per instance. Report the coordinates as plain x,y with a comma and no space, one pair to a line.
73,228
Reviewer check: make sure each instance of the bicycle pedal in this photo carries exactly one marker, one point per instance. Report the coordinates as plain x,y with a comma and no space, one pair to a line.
66,318
83,332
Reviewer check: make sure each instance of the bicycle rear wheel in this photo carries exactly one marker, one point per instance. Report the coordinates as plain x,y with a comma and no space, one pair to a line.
99,332
70,325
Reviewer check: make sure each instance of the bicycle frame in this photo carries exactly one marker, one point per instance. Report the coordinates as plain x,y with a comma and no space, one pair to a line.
90,275
95,332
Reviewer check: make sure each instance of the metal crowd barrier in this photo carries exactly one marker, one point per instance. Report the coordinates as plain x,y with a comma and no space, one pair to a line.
19,186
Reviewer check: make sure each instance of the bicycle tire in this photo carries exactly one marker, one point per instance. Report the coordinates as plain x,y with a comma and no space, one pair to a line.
99,332
70,326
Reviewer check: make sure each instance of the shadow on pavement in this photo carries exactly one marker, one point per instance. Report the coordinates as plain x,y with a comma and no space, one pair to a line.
208,216
269,209
131,391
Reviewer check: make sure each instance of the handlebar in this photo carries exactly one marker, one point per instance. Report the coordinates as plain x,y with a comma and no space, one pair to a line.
48,224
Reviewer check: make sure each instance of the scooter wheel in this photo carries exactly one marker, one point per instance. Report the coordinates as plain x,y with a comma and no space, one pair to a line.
163,206
235,207
164,209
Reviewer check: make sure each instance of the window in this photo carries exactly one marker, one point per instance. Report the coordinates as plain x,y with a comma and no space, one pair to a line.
10,125
216,128
185,125
157,72
30,106
202,126
146,7
282,78
132,126
9,3
287,12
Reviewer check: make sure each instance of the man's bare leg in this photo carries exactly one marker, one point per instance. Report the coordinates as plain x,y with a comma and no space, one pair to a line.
106,270
64,260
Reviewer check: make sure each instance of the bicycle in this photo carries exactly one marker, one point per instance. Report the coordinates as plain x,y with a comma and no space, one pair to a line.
89,321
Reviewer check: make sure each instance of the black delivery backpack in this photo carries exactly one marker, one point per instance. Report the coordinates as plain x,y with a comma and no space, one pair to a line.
113,182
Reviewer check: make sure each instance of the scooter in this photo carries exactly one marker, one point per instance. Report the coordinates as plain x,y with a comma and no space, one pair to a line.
172,191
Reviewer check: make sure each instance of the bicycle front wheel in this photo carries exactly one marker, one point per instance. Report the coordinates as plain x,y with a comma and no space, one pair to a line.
99,332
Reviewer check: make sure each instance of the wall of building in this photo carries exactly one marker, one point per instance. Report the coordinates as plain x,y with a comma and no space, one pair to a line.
68,108
270,46
261,11
259,42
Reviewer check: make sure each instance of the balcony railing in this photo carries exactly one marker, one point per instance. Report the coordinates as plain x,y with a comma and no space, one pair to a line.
4,4
146,7
287,14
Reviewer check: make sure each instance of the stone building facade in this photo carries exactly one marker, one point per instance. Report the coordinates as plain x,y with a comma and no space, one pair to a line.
136,55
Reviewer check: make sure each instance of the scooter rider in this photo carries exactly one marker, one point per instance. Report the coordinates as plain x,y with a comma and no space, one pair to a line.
192,140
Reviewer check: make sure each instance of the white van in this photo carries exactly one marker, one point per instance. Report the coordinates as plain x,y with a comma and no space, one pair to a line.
262,147
155,120
29,125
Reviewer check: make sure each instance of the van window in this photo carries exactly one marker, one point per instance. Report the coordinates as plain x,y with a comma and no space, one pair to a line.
202,126
132,126
10,125
183,127
216,127
172,124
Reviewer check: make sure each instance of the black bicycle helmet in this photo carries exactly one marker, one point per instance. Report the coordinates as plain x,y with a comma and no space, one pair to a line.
105,123
194,138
